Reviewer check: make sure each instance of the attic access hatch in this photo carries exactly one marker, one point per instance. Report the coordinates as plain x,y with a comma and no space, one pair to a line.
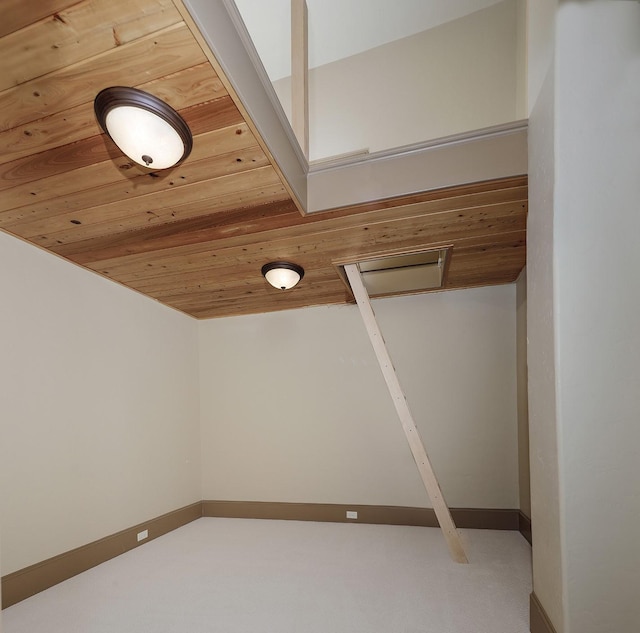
408,273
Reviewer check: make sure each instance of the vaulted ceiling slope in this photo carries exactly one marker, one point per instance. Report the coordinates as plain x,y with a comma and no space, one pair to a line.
195,237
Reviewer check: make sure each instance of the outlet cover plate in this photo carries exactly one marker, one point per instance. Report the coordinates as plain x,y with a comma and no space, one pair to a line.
143,535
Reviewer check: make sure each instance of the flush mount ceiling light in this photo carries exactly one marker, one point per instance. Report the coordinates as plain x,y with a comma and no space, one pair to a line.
145,128
282,275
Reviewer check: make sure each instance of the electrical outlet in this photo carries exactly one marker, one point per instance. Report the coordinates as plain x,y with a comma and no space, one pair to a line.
143,535
352,514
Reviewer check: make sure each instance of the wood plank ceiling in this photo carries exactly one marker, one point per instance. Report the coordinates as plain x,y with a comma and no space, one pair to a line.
195,237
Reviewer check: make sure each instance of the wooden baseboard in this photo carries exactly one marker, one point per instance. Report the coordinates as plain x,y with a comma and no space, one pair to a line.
524,525
539,621
31,580
35,578
337,513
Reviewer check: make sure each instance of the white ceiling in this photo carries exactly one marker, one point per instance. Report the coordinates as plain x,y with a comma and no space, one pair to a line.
341,28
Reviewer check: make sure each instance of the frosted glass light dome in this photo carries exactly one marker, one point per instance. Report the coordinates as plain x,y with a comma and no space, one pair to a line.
282,275
145,128
144,137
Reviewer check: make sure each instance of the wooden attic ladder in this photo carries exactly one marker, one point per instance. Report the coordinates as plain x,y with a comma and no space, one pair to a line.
416,445
300,112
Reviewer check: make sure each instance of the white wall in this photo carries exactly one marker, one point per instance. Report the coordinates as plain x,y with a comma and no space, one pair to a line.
99,406
339,29
583,314
598,310
457,77
294,407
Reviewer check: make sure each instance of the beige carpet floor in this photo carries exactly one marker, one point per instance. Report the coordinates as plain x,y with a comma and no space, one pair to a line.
239,575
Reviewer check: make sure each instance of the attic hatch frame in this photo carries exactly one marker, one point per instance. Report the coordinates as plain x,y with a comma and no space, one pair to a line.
401,288
427,474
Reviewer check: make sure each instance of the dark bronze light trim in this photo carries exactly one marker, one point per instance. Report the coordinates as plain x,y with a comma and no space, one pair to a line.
116,96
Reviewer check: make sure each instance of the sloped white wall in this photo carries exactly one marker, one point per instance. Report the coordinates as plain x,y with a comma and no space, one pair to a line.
294,407
98,407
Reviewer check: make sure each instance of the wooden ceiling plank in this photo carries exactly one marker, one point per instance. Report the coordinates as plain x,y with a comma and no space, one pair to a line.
250,296
229,275
126,191
110,180
172,49
194,230
16,14
221,274
232,200
333,246
498,258
156,207
304,253
306,256
267,228
224,279
260,292
253,302
184,89
81,31
226,304
486,244
212,115
50,132
220,113
59,160
187,87
474,220
213,229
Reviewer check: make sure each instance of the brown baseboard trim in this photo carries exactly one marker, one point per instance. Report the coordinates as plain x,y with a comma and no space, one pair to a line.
524,525
539,621
26,582
337,513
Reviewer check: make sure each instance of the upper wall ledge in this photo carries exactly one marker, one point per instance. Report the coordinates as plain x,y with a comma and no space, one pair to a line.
496,152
